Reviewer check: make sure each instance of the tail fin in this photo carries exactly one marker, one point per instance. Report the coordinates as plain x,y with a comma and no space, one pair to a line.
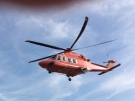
110,64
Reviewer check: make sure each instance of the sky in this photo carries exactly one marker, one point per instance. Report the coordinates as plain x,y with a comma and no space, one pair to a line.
108,20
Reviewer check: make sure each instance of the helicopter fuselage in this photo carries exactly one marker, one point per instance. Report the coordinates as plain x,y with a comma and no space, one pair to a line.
70,64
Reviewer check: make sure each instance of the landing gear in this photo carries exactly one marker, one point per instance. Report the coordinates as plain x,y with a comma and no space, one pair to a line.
49,72
69,79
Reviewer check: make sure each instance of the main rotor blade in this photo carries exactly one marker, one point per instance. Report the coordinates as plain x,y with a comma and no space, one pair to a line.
83,27
45,57
45,45
95,45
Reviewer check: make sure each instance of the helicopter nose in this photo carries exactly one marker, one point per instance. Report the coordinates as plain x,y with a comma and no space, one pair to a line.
46,63
42,63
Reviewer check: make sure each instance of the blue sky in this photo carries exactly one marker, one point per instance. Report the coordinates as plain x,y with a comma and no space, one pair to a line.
108,19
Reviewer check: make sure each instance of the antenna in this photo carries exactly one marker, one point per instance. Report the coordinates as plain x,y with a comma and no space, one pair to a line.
108,59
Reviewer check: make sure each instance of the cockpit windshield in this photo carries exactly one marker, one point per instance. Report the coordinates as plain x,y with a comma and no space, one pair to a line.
54,57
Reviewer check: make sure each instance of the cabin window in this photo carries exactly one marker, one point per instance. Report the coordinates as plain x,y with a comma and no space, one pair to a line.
53,57
59,57
64,58
74,61
69,60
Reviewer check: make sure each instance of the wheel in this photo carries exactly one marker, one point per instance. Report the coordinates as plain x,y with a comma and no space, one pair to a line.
49,72
69,79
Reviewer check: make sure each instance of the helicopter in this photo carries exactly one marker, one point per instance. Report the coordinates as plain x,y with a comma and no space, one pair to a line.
70,63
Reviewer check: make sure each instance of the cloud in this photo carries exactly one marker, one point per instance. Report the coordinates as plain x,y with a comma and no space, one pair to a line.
120,83
32,80
58,86
112,8
3,98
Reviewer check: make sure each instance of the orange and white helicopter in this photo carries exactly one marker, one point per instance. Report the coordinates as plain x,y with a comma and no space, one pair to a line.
70,63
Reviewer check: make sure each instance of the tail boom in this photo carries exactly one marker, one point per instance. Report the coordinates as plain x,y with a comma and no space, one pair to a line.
104,69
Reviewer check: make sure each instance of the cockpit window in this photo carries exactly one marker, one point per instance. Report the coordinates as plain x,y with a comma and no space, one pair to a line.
59,57
53,57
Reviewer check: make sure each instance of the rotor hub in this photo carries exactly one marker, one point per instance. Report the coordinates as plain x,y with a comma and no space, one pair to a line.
68,49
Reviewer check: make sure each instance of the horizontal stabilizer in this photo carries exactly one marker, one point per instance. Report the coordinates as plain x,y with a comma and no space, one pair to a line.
109,69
